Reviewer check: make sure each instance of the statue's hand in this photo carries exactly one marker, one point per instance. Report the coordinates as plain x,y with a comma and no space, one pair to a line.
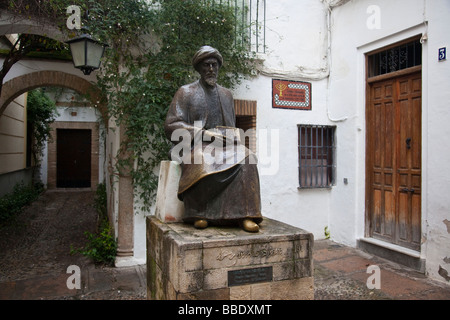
213,135
229,134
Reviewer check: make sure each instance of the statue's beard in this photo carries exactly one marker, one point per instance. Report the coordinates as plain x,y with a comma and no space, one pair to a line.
211,80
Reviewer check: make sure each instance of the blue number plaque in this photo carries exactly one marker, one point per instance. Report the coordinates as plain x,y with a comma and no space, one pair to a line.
442,53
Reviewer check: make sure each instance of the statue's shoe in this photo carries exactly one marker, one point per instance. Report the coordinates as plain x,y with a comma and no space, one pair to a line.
250,226
201,224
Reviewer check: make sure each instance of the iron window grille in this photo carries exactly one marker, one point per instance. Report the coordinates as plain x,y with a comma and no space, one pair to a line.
316,149
250,22
397,58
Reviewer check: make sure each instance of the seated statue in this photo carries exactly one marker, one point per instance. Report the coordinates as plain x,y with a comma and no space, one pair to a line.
219,187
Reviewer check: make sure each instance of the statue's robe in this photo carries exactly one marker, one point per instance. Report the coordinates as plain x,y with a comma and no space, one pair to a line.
218,191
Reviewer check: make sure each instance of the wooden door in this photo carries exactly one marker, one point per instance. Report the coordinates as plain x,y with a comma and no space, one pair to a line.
73,160
393,206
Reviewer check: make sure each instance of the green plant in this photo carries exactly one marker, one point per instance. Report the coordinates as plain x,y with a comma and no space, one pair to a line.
101,246
151,44
140,77
22,195
41,113
100,201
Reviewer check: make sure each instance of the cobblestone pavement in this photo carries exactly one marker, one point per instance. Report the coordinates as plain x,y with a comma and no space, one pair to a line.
35,254
341,273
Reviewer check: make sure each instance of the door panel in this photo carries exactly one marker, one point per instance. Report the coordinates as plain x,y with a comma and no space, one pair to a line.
382,188
394,160
73,163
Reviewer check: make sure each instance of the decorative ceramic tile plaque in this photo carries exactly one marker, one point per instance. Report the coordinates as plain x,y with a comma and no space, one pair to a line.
291,94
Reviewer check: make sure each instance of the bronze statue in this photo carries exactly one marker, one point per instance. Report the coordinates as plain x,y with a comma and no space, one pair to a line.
224,191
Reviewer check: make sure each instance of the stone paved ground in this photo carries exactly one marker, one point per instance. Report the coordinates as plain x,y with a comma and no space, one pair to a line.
35,254
35,251
341,274
38,242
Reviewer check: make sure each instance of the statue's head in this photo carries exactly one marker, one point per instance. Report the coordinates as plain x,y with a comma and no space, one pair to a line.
207,62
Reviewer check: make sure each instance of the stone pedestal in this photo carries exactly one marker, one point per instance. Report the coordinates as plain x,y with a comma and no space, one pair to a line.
228,263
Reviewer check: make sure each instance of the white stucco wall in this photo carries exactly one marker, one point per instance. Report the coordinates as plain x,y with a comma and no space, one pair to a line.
297,41
297,51
351,39
436,117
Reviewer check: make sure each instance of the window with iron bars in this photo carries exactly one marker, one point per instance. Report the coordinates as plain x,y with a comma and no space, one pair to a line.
316,148
400,57
250,24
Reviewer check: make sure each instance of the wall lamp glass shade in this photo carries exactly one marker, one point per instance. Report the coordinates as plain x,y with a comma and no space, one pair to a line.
86,53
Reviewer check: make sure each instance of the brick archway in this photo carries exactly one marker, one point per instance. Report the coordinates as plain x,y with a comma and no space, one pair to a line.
16,86
21,84
125,214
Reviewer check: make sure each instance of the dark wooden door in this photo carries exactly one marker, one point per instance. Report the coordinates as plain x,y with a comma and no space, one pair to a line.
73,160
394,160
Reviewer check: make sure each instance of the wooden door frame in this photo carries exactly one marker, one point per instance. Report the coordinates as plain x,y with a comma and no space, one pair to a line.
83,171
51,158
368,140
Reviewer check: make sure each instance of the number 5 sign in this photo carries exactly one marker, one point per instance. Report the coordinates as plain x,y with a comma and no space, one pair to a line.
442,54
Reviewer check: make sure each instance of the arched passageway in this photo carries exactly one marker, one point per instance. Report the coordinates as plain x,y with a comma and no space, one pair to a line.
21,84
53,73
18,85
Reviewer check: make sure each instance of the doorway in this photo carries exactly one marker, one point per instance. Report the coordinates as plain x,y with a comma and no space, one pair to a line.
73,158
393,156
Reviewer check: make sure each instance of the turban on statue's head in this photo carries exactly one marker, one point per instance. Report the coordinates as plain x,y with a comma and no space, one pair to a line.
206,52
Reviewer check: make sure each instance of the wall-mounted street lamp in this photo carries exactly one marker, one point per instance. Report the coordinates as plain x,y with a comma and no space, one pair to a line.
86,53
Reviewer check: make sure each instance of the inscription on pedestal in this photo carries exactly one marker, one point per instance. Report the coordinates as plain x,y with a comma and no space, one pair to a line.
248,276
232,257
